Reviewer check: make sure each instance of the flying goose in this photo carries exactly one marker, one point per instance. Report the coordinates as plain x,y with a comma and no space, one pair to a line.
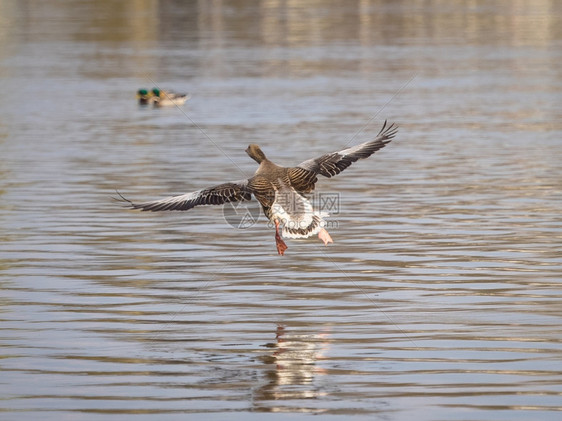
280,190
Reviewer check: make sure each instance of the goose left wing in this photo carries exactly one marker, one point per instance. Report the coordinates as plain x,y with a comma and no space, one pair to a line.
233,191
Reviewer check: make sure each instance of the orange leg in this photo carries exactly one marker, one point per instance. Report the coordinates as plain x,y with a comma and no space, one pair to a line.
281,246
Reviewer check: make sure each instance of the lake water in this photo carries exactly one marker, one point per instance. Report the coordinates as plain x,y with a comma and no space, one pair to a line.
441,297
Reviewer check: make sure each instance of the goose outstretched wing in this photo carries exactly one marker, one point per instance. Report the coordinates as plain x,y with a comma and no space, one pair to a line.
333,163
233,191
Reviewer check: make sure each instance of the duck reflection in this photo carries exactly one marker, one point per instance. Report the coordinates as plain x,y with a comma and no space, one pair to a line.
293,371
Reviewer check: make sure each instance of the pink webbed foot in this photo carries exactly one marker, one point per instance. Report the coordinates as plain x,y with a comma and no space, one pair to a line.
324,236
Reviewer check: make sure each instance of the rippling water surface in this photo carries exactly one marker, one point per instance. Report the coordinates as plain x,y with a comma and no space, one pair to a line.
441,296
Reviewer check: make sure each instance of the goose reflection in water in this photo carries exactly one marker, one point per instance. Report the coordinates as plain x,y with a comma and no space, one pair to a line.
294,372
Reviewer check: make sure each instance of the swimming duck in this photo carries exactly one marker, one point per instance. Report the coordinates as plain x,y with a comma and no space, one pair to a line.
280,190
144,97
167,98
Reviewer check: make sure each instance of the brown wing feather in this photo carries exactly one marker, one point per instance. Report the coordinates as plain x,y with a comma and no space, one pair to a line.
302,180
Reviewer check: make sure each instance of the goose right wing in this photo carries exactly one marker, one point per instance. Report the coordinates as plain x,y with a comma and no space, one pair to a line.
233,191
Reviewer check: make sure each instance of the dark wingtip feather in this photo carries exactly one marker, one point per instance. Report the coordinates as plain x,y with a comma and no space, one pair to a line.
389,132
123,200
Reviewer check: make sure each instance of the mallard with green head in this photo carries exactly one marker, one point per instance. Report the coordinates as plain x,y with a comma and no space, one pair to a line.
167,98
144,97
280,190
